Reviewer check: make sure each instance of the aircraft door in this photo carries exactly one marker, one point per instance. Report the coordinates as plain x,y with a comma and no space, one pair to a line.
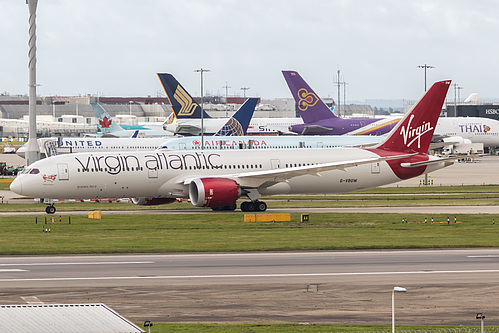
375,168
63,171
275,164
153,173
320,145
181,146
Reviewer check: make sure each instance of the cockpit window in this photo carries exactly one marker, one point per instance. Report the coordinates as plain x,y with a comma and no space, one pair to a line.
34,171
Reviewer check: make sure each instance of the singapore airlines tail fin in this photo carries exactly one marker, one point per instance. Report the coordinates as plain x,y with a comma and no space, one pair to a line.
414,132
183,105
239,122
310,106
106,124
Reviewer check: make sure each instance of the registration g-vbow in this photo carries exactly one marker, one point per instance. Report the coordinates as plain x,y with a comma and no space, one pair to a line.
217,179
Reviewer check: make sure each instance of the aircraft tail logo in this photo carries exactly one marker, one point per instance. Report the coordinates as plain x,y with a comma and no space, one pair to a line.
306,99
182,103
105,122
238,124
187,105
414,132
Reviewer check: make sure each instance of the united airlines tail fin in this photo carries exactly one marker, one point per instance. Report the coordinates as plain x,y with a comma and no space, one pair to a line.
106,124
310,106
183,105
414,132
239,122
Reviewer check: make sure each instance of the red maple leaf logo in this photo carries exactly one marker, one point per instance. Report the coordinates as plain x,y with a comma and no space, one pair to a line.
196,143
105,123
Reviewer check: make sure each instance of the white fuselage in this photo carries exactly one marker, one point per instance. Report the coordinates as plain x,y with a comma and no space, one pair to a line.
167,174
257,125
80,145
271,142
475,129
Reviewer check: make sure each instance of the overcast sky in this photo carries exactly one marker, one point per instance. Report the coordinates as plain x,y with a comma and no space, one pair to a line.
116,47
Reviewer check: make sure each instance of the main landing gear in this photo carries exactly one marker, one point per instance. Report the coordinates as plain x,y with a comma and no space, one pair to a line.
50,209
253,206
221,208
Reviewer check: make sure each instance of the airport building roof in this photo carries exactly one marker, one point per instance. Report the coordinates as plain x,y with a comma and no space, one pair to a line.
63,318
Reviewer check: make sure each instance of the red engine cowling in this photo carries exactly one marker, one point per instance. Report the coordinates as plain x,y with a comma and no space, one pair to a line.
152,201
213,192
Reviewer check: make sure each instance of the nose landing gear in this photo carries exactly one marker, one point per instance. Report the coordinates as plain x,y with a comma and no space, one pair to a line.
50,209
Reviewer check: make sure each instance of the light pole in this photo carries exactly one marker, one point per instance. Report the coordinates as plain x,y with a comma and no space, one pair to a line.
201,71
480,316
32,148
425,66
400,290
244,92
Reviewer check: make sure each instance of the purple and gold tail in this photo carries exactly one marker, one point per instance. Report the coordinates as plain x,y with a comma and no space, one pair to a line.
310,106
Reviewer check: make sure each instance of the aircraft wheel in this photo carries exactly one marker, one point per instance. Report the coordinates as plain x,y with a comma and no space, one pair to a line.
260,206
244,206
50,209
250,206
231,207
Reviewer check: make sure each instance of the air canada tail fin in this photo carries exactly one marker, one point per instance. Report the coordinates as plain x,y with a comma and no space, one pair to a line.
310,106
414,132
106,124
239,122
183,105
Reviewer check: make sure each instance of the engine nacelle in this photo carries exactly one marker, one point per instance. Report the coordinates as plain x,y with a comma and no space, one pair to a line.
213,192
152,201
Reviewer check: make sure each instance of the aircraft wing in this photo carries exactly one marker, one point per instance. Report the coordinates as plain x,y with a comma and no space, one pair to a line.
436,145
449,160
315,129
249,180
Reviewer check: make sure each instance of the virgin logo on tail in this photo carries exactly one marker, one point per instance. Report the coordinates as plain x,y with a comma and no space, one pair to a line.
414,134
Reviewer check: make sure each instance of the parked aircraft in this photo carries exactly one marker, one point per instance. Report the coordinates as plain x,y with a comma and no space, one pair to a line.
471,129
271,142
236,125
109,128
218,178
186,116
319,120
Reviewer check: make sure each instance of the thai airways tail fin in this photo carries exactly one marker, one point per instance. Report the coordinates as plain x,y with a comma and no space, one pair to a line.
414,132
239,122
106,124
310,106
183,105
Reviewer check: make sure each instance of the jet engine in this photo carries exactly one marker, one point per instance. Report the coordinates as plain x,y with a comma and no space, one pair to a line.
457,140
152,201
213,192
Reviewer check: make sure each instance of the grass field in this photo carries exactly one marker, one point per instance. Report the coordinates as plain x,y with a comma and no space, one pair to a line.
156,233
291,328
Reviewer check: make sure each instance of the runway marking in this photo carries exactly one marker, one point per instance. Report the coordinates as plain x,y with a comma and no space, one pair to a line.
12,270
33,300
240,276
82,263
485,256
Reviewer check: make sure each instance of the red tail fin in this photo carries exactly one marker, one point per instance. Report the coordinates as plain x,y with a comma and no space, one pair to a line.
414,132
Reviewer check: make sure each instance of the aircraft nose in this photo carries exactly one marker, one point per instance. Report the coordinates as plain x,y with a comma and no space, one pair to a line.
16,186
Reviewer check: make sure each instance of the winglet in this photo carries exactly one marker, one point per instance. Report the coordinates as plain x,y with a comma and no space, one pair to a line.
310,106
238,124
414,132
106,124
183,105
